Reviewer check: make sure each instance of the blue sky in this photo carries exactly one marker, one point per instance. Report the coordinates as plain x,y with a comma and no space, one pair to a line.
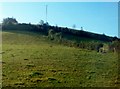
97,17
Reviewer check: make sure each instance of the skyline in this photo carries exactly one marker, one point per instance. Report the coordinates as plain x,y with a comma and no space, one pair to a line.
97,17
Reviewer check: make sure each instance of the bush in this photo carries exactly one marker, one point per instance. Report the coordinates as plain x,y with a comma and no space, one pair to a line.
114,46
51,34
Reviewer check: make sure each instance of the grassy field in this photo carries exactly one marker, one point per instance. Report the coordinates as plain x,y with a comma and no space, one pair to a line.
30,60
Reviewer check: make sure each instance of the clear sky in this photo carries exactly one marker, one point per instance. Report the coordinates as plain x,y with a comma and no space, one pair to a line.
97,17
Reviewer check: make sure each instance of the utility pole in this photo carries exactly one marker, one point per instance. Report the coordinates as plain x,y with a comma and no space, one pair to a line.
46,13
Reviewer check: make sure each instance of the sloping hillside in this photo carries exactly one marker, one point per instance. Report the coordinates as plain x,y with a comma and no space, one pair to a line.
32,60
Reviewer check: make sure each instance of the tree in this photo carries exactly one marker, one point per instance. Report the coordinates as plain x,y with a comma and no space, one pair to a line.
115,38
9,21
47,24
74,26
82,28
41,22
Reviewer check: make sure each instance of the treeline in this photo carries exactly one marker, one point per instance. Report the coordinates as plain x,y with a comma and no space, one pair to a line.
12,23
61,34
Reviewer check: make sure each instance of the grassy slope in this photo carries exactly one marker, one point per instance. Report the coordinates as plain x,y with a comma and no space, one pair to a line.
31,60
0,59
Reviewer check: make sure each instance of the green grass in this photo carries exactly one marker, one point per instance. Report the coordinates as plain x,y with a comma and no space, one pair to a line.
30,60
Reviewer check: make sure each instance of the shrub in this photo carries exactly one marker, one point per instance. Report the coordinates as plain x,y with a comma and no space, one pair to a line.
51,34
